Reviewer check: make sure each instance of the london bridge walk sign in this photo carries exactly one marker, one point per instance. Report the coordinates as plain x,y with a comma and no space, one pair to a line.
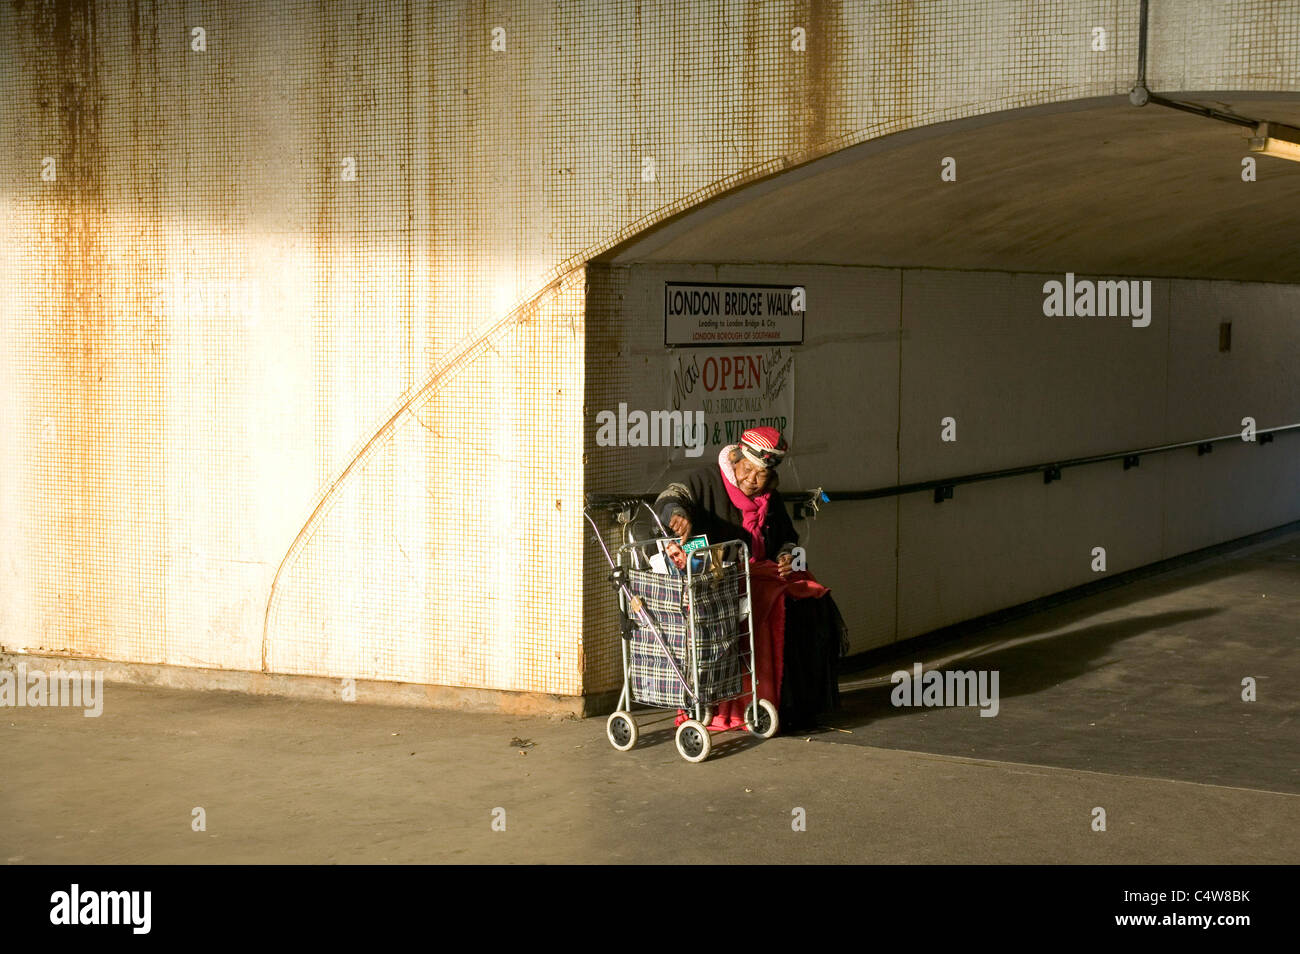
705,314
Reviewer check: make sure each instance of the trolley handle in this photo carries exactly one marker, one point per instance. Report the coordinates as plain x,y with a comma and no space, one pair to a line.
614,502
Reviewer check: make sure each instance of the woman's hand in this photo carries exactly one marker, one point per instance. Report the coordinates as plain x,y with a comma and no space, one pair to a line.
784,565
681,526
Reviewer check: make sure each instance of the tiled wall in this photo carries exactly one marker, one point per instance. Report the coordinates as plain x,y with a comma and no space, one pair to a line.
226,362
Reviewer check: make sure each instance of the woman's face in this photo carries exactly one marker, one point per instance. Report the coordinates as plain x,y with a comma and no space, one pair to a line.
750,479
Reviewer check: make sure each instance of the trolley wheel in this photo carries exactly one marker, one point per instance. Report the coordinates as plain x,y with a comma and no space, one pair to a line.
708,715
621,729
693,741
765,723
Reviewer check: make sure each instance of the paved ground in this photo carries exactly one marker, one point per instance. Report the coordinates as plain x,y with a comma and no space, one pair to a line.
1144,680
1128,701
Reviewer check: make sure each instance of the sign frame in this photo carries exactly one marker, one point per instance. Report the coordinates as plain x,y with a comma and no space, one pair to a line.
739,343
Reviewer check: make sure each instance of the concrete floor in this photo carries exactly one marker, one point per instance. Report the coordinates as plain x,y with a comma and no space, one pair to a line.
1143,680
1127,700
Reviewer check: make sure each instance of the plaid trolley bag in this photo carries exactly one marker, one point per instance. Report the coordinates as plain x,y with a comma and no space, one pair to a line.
688,640
716,646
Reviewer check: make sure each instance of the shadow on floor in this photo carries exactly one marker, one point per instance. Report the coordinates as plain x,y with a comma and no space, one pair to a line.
1033,664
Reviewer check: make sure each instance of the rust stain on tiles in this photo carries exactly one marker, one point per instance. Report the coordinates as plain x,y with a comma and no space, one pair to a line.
72,309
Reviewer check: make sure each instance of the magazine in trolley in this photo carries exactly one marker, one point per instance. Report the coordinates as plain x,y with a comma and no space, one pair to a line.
688,633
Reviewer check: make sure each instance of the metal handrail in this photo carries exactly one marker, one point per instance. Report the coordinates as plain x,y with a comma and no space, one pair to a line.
943,486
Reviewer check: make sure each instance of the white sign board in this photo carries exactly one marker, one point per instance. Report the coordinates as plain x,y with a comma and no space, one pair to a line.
706,314
735,388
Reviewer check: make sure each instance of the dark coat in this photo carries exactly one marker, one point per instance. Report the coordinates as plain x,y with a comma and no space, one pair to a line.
704,500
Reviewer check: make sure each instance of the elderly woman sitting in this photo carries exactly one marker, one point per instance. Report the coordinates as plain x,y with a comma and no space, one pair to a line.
736,498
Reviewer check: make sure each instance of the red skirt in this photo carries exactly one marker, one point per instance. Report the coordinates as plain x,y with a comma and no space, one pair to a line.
769,592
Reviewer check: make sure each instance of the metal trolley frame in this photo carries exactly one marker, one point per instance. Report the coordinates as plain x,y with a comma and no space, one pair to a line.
707,614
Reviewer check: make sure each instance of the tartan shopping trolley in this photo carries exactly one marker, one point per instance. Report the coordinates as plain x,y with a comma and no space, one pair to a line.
688,637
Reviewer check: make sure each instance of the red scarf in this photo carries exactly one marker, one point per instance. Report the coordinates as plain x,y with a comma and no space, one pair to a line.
753,510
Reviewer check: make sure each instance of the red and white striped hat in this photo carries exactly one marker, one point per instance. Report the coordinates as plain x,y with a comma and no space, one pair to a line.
763,446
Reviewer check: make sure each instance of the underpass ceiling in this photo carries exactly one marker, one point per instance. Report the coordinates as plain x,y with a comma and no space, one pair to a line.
1097,187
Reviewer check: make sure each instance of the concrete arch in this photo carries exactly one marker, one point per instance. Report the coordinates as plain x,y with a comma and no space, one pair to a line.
487,181
664,235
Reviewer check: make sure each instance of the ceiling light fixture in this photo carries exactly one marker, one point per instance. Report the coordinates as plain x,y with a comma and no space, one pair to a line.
1268,138
1275,139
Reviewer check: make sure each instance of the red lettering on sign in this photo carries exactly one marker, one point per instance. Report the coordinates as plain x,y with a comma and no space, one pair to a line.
710,365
